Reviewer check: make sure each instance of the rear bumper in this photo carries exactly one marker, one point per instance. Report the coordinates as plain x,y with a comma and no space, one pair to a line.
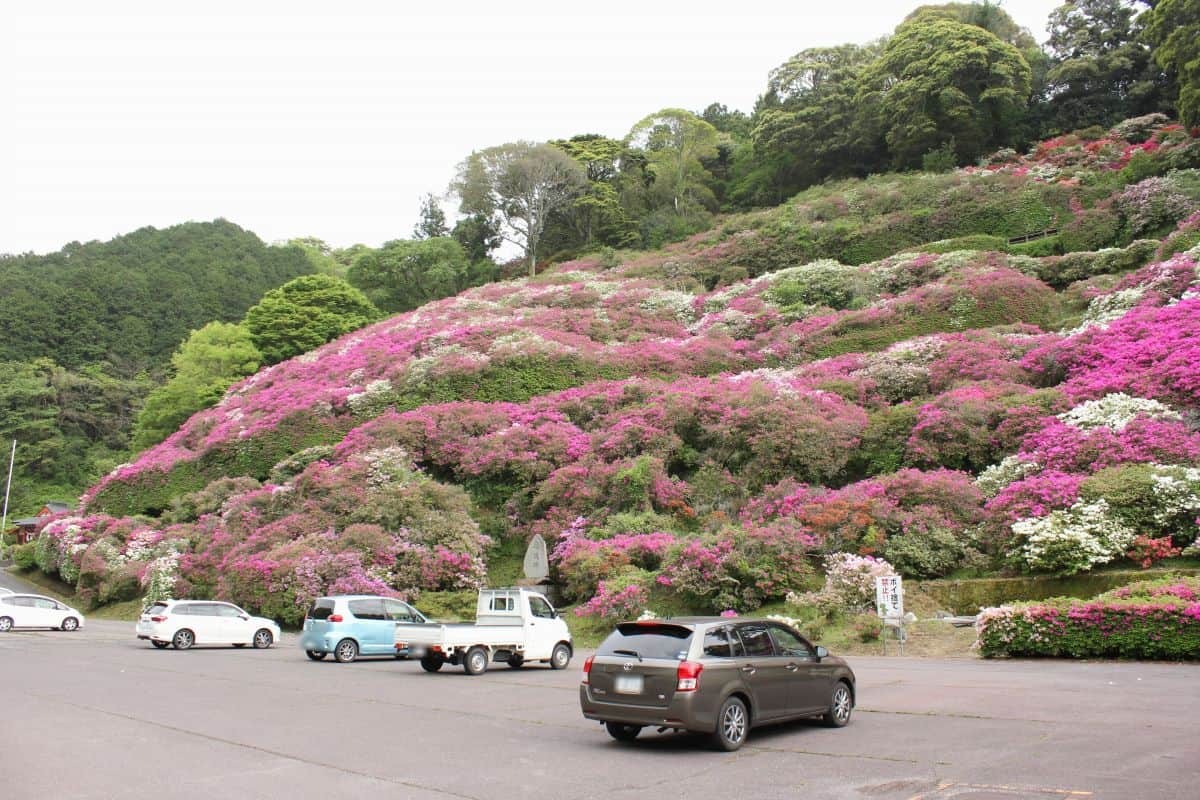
682,712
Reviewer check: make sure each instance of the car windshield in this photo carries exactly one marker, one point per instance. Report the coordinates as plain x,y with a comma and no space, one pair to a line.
647,641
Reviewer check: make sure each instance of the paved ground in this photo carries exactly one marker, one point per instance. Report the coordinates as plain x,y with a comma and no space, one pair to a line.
97,714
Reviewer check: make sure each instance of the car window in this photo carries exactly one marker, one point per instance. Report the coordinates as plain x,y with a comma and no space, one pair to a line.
401,612
368,609
205,610
156,608
228,611
647,640
787,643
502,603
755,640
716,643
540,608
25,602
321,609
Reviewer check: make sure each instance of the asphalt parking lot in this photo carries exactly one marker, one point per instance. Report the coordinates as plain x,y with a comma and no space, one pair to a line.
98,714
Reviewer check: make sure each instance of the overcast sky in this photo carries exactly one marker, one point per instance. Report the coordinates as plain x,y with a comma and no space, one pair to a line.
324,119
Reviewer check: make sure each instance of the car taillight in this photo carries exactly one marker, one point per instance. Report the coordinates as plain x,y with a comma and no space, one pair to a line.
587,669
335,618
158,619
688,675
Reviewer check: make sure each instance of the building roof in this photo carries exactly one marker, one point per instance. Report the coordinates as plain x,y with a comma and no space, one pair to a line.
57,507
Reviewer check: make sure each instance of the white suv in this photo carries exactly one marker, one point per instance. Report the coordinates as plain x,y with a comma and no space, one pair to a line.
183,623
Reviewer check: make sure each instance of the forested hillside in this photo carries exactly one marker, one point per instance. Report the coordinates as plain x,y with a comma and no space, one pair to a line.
131,301
87,333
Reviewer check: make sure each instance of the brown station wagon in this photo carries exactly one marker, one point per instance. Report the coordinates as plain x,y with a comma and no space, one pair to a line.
712,675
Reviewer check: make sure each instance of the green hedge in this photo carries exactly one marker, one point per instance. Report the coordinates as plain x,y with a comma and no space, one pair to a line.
970,595
1161,628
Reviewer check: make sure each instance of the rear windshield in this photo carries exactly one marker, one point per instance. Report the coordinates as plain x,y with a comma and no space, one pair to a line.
156,608
321,609
647,641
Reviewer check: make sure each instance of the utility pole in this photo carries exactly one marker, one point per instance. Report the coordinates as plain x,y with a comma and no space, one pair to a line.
12,458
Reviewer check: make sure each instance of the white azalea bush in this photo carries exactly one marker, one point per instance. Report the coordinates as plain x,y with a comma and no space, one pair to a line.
1115,411
1073,540
996,477
849,583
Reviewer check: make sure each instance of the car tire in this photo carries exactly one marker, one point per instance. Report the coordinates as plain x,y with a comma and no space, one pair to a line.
733,724
622,731
263,639
515,661
560,657
432,662
315,655
346,651
476,661
69,624
183,639
841,703
161,645
6,624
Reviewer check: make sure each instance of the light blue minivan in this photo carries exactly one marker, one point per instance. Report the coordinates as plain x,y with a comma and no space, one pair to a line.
355,625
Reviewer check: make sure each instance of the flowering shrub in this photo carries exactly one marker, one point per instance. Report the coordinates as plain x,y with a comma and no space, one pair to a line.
1073,540
849,583
619,598
1165,627
1153,204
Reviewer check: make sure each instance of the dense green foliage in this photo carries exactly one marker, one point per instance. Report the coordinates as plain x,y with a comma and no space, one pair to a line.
132,300
405,274
305,313
71,427
205,365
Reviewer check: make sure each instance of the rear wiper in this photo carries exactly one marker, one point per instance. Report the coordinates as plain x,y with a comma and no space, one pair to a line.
633,653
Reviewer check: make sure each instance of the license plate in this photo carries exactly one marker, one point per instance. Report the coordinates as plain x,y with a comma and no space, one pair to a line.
628,684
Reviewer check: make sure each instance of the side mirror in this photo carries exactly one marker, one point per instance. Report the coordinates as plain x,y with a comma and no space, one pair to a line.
244,617
821,652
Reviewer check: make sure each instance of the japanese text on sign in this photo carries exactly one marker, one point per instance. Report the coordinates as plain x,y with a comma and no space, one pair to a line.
889,596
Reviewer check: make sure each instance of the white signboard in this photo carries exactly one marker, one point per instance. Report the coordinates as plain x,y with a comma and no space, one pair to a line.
889,596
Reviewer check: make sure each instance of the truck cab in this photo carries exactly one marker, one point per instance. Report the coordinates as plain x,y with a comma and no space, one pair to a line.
514,626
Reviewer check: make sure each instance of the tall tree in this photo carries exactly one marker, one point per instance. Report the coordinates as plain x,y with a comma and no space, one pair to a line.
207,362
676,143
940,81
305,313
808,127
518,186
405,274
1102,72
1173,28
596,216
432,221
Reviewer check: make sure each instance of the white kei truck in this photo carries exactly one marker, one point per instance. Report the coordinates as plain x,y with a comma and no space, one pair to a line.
513,626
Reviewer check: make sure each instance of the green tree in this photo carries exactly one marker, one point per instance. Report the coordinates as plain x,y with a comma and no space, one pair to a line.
676,143
518,186
1173,29
432,221
305,313
596,216
405,274
479,237
207,362
940,80
808,126
1102,72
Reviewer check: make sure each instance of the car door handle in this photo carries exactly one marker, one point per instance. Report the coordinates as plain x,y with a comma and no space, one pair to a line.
749,670
793,667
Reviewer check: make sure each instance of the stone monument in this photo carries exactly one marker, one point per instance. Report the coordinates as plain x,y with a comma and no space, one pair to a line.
537,563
